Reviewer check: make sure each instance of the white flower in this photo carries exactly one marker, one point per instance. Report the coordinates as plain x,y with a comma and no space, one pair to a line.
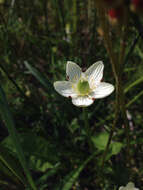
129,186
84,87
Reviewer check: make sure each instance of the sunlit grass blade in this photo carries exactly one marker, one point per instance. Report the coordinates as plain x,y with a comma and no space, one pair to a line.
139,52
73,176
7,117
60,12
133,84
134,99
44,81
75,16
7,177
12,164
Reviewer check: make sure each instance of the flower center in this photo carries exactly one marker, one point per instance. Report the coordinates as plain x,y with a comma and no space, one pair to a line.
83,87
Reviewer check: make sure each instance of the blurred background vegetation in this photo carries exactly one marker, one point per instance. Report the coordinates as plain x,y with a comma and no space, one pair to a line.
37,38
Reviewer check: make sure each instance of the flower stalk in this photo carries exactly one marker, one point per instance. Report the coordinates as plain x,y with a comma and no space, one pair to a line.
86,126
117,68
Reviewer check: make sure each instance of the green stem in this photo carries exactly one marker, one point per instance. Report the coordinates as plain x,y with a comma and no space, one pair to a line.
113,126
121,93
89,9
109,47
107,39
132,47
86,125
75,16
61,13
45,11
127,129
85,118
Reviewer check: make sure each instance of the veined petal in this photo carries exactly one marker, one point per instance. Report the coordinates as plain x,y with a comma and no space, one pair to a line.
102,90
122,188
95,73
82,101
130,185
73,71
65,88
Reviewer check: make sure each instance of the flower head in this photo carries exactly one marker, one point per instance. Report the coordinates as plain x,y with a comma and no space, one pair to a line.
115,15
129,186
136,6
84,87
137,3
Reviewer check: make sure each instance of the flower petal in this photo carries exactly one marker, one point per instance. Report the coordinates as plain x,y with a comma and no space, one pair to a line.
82,101
73,71
102,90
95,73
130,185
122,188
65,88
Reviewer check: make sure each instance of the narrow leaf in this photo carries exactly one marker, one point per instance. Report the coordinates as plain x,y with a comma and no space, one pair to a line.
11,163
44,81
7,117
6,176
138,81
134,98
72,177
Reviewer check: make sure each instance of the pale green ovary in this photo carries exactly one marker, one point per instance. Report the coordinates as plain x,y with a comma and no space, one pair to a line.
82,87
